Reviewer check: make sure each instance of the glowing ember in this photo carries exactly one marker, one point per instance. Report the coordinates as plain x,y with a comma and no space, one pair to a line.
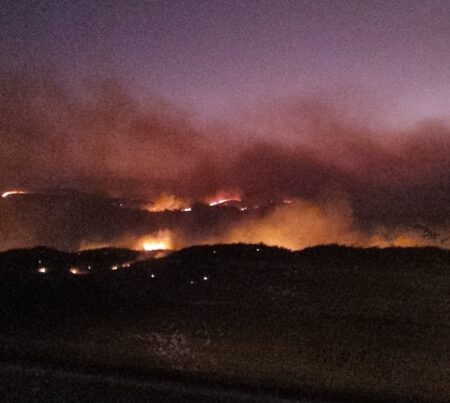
42,270
77,271
13,193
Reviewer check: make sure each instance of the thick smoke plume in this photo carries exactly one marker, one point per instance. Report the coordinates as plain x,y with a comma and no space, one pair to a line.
353,181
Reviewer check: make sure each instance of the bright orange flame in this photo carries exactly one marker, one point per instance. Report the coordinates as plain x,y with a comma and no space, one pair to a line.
13,192
156,241
162,240
149,246
223,198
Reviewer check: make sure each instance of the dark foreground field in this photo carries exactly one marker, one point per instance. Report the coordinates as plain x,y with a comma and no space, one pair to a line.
329,321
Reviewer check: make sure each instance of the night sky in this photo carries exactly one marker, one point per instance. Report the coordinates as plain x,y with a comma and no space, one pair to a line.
218,56
312,100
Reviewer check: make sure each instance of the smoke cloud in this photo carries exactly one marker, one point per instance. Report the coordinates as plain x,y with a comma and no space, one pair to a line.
353,181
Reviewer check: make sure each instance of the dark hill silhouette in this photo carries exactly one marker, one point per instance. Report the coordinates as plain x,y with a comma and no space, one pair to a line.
237,273
370,321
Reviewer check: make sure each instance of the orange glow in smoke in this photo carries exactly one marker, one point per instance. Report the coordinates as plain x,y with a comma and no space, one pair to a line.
166,202
293,224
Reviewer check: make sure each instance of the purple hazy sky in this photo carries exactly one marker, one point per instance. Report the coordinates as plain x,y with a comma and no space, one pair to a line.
220,56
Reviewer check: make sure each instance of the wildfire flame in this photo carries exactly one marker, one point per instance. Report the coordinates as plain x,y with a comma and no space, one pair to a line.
223,198
293,224
13,193
162,240
166,202
149,246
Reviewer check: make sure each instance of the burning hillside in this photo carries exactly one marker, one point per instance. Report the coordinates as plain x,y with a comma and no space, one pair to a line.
146,168
89,222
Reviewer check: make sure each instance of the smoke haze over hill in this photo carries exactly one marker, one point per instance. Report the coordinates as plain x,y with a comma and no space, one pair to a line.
103,140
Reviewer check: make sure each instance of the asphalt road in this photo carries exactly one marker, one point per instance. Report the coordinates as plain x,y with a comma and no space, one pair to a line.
35,384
